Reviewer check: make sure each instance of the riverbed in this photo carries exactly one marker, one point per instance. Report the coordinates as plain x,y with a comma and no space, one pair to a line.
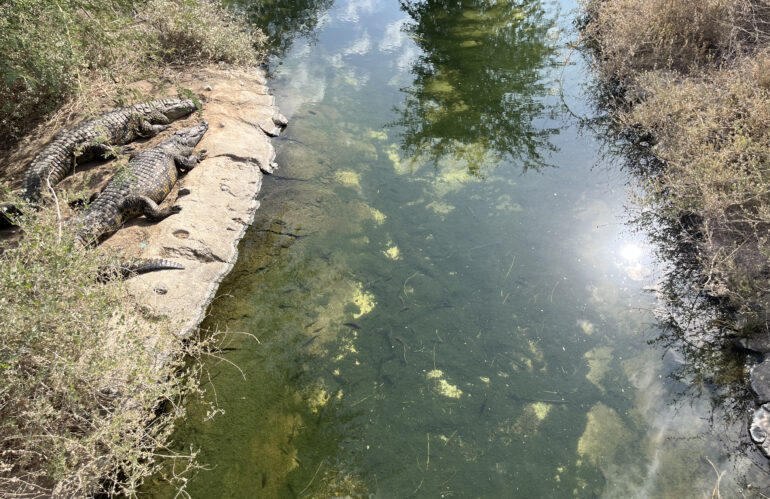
442,293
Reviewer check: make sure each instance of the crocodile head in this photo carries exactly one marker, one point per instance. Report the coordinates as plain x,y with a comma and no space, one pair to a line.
191,136
174,108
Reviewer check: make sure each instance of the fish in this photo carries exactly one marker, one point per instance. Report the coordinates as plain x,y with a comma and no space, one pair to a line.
310,324
314,332
310,340
352,325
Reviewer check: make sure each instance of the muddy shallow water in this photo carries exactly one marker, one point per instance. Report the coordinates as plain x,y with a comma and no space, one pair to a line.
441,295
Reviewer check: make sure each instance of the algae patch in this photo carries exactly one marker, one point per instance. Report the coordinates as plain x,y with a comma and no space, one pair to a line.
348,178
392,252
363,300
605,433
442,386
598,365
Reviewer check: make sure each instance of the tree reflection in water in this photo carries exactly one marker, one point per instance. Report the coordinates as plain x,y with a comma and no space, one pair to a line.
478,86
283,22
695,327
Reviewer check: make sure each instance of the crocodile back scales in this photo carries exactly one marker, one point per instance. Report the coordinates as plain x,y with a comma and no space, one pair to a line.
115,127
150,173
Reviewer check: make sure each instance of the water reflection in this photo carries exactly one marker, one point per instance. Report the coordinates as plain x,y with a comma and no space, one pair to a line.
284,22
700,410
439,333
478,90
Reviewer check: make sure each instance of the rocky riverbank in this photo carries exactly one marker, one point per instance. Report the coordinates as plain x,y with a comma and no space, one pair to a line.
140,347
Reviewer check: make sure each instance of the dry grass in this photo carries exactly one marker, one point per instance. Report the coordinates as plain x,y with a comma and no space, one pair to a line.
696,82
193,32
79,373
713,133
636,36
53,50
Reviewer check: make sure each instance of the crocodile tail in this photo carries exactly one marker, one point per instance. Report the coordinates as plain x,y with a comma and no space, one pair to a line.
134,267
145,265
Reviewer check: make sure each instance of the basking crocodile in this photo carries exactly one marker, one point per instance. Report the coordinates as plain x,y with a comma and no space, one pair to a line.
146,181
96,136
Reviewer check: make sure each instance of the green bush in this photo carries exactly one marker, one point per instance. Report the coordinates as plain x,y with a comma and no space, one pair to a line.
45,47
50,50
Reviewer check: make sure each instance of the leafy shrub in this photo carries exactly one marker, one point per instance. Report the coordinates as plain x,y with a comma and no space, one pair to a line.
45,46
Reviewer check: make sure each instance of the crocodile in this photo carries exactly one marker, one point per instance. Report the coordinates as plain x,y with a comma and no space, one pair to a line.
97,136
147,179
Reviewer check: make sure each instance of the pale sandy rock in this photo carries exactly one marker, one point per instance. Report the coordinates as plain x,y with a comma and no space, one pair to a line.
218,200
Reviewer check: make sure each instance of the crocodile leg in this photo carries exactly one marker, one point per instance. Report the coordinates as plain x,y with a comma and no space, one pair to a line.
147,207
100,149
187,163
147,129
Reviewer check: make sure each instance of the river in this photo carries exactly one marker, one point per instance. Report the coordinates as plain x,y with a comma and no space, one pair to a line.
441,294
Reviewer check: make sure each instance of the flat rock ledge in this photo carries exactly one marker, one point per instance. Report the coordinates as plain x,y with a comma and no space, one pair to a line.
218,200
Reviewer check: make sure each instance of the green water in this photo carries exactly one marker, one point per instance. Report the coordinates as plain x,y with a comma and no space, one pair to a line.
440,294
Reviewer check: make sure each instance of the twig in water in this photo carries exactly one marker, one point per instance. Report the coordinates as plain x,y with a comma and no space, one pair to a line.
715,493
554,289
368,396
407,280
450,479
311,480
511,267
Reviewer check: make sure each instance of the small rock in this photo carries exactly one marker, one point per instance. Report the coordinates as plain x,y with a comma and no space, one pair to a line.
280,120
161,289
270,129
224,187
184,191
760,428
759,343
207,88
760,381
